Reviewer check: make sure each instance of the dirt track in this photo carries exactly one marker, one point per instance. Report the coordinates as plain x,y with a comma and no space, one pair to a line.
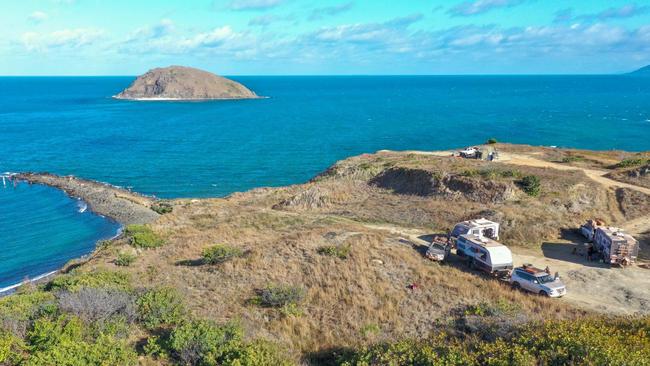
590,285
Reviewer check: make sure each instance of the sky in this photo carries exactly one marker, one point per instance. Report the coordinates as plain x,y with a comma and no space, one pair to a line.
326,37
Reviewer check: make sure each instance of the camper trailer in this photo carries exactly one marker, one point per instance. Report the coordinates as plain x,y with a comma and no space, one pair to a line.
615,245
588,230
484,254
479,227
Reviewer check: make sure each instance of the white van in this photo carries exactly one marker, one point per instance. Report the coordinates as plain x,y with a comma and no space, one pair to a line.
484,254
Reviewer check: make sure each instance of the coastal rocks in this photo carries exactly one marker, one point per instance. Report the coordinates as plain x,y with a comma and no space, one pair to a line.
118,204
184,83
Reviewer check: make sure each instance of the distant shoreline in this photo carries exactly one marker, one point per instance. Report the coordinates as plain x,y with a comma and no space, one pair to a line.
182,99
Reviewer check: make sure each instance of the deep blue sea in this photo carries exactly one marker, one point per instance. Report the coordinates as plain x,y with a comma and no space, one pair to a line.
199,149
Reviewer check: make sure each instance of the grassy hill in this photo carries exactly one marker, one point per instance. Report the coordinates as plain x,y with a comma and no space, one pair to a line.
326,272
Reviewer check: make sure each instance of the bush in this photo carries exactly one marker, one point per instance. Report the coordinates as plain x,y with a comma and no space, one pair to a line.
160,307
220,253
339,251
142,236
202,342
629,163
12,349
98,305
572,159
100,279
501,307
531,185
65,341
279,296
125,259
162,208
491,141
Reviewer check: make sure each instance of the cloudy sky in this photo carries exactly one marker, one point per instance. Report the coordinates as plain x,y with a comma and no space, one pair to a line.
285,37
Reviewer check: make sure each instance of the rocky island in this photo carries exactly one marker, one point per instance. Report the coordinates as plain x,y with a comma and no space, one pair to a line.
184,83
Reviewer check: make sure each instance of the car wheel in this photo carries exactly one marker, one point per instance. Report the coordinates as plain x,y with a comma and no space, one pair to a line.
543,293
516,286
470,264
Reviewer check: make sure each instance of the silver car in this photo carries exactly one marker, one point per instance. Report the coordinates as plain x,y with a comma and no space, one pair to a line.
537,281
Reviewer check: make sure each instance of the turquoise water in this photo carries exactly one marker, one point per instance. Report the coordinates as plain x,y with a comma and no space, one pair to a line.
41,229
199,149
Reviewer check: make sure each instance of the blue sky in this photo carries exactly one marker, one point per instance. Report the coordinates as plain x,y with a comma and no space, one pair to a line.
285,37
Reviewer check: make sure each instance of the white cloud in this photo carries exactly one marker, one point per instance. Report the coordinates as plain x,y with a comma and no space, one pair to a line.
38,17
65,38
475,7
254,4
161,29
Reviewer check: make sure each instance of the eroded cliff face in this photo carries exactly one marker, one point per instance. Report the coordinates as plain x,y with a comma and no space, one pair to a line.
184,83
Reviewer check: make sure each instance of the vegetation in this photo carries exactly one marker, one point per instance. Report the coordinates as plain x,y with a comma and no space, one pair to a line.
162,208
100,279
632,162
280,295
125,259
142,236
579,342
491,141
338,251
491,173
572,159
160,307
220,253
531,185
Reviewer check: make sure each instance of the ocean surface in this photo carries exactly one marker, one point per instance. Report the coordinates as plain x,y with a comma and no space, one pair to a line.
198,149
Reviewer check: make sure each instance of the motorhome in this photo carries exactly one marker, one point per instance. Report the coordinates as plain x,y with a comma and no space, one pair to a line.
484,254
478,227
615,245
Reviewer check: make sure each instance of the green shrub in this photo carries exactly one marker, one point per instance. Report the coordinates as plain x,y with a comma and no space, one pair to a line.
531,185
125,259
257,353
162,208
160,307
12,349
100,279
66,341
202,342
629,163
572,159
491,141
279,296
339,251
220,253
501,307
142,236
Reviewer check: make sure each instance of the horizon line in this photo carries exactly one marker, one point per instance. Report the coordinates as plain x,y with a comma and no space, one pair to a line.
336,75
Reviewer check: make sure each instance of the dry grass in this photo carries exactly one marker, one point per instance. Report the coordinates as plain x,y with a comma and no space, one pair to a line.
365,297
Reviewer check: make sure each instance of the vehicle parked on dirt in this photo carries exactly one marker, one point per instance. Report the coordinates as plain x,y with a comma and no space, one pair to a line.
616,246
588,229
484,254
479,227
537,281
438,251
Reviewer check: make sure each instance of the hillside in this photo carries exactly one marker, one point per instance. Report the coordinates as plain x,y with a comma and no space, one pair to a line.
184,83
644,71
336,263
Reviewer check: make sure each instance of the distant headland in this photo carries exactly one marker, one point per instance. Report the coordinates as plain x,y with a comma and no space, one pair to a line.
644,71
184,83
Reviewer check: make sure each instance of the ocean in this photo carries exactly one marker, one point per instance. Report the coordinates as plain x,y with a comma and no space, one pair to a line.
70,125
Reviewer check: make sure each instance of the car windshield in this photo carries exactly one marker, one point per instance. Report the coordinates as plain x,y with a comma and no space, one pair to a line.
545,279
438,247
